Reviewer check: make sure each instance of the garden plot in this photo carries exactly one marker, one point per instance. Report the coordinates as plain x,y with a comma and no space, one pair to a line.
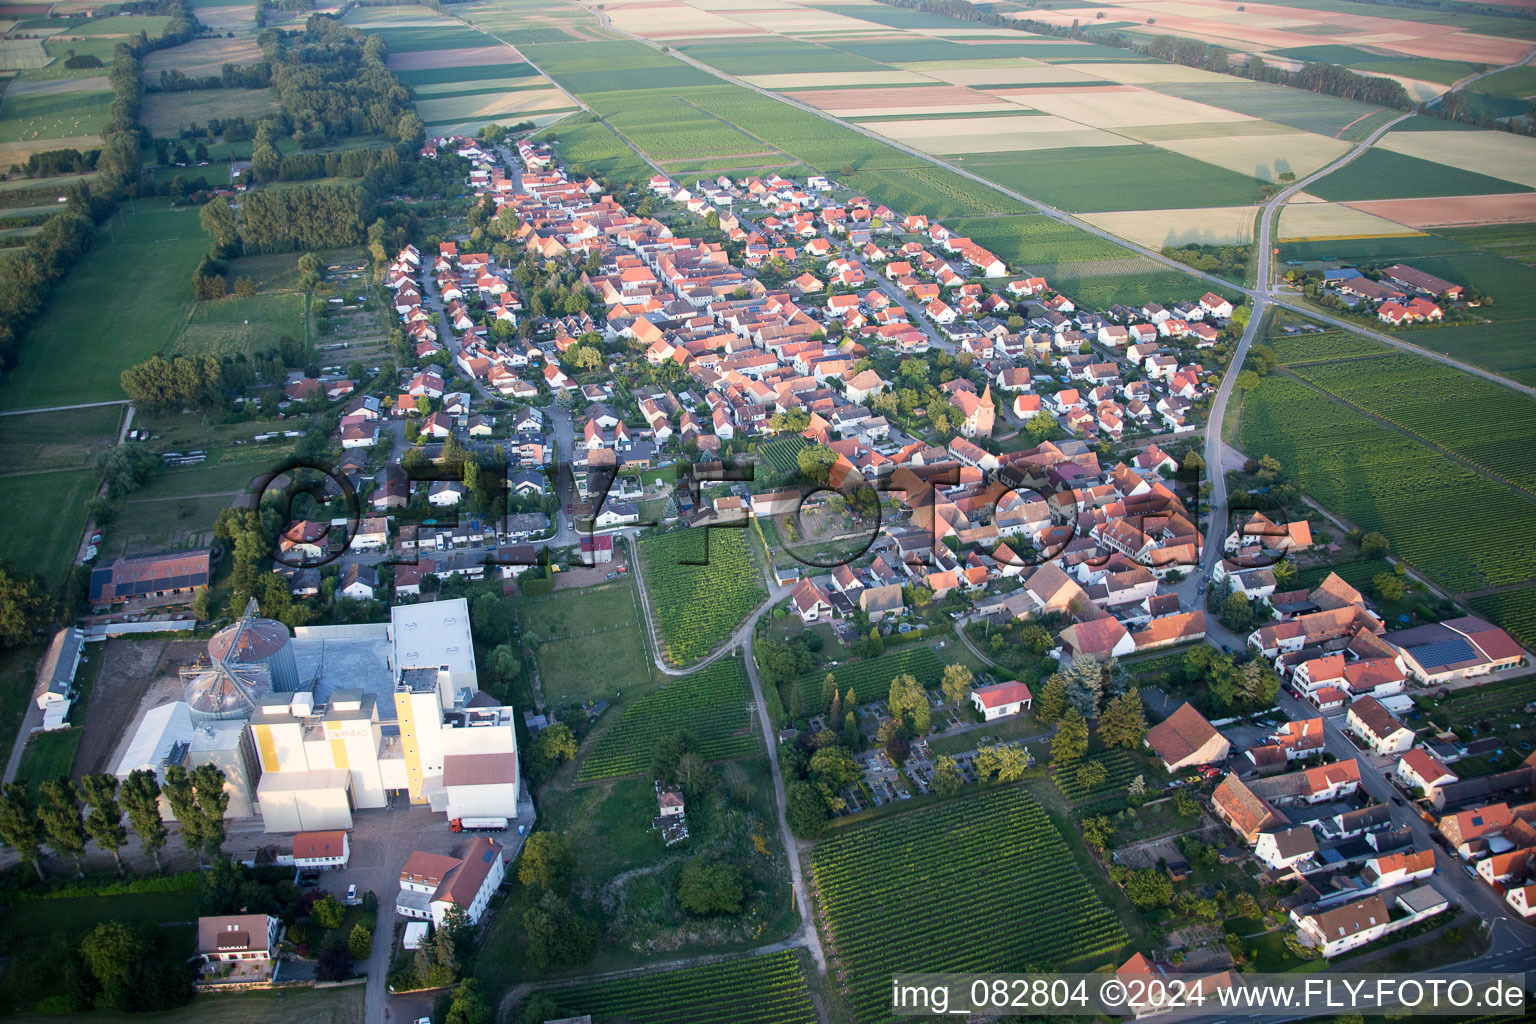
997,134
1264,156
1500,154
1334,220
1220,225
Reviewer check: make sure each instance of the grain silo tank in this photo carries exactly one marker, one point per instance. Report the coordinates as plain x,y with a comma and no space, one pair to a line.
255,641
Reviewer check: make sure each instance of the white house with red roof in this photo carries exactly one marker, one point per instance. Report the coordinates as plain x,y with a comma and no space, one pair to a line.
1001,699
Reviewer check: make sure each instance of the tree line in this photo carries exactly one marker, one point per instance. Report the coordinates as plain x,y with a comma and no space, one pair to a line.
66,816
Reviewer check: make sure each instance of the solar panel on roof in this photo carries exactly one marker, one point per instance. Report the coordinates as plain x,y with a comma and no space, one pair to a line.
1443,652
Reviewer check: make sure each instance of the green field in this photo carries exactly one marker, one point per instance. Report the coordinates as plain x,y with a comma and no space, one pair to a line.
125,300
768,989
416,38
417,77
983,884
166,113
1373,249
234,324
1519,82
1462,530
1320,348
1437,403
1120,766
710,705
46,518
1105,178
777,56
53,115
1034,239
870,679
1298,108
48,755
698,606
570,631
1383,174
1515,610
47,441
278,1006
45,928
1092,289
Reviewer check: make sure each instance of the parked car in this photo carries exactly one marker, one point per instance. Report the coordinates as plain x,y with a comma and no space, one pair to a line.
352,894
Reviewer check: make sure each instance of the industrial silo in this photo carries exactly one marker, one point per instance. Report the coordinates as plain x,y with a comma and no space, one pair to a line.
222,691
258,642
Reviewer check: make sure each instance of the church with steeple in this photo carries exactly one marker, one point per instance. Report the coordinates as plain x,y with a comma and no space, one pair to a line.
979,411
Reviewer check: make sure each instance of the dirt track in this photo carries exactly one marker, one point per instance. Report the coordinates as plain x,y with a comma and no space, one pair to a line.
131,669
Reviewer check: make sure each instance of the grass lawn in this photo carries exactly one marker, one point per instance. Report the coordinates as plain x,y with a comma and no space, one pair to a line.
124,301
609,825
48,755
282,1006
18,677
43,533
250,325
587,642
38,932
49,441
1014,728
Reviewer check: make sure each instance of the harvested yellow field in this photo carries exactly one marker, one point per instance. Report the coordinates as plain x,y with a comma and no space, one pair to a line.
1217,225
234,18
1417,88
1170,132
206,56
1263,156
1108,107
490,104
801,20
1015,73
835,79
1511,157
876,110
484,85
669,19
996,134
19,152
1148,73
1334,220
746,5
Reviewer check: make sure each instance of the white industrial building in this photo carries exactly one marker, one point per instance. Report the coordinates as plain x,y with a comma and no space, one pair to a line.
450,747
